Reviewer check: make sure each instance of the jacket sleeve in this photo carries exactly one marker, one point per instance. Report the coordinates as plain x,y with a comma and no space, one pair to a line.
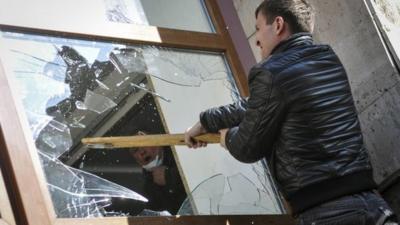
227,116
254,137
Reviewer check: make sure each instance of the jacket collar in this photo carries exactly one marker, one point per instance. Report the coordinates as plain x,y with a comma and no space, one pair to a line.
298,39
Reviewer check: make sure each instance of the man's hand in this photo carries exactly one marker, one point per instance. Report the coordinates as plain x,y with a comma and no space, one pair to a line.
192,132
159,175
223,136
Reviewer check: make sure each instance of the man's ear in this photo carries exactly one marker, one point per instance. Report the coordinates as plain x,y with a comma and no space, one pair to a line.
280,25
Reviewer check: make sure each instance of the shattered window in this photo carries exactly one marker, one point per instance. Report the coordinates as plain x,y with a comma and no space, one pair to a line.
388,12
71,89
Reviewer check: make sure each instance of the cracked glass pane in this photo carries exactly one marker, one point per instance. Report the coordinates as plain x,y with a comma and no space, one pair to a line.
208,194
235,194
55,138
81,194
176,14
123,11
71,89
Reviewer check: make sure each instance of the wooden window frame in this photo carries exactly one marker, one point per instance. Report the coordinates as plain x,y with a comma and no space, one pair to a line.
7,216
25,181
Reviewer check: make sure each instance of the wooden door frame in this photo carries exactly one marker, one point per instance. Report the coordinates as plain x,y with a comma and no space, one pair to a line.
25,179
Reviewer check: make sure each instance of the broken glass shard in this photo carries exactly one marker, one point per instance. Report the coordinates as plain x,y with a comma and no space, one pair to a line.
76,123
80,105
128,60
102,85
98,103
37,122
76,193
54,139
206,197
143,87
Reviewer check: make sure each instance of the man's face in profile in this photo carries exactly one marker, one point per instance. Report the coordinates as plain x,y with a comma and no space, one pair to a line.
144,155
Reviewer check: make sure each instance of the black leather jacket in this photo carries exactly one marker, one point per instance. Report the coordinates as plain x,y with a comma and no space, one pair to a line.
301,117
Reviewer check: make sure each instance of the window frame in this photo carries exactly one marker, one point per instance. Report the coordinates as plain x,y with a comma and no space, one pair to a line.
6,214
31,202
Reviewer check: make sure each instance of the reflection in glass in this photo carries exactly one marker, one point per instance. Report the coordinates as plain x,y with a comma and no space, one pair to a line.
176,14
72,89
134,168
123,11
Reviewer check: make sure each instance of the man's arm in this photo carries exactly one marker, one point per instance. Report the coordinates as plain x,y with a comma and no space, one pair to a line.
215,119
227,116
255,135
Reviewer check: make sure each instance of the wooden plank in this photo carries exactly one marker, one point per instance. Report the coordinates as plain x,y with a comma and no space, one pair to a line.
184,220
145,140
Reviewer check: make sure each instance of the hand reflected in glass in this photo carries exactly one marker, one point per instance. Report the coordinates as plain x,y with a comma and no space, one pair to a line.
159,175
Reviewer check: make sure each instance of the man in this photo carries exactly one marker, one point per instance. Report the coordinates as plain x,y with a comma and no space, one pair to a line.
163,184
301,117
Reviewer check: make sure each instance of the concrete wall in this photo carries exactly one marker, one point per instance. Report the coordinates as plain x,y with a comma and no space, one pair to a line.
349,28
246,9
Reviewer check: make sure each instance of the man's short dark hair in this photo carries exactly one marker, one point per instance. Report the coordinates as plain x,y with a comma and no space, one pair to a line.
299,14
